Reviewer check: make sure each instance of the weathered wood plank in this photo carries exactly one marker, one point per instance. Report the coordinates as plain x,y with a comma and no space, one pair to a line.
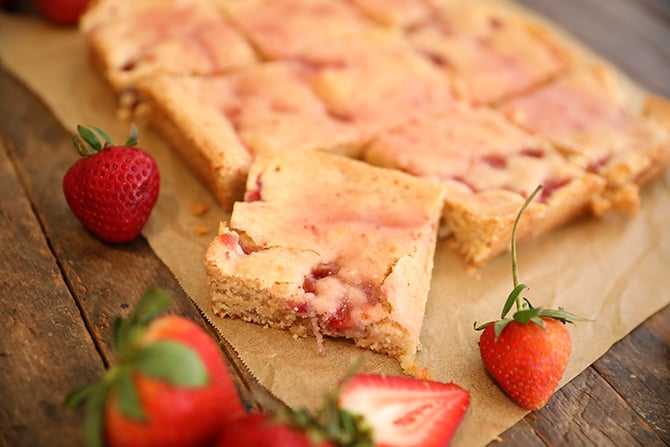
520,434
630,37
590,413
638,368
106,280
660,325
660,8
45,348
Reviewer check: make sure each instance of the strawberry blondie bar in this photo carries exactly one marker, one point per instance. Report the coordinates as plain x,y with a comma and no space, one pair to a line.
130,41
220,123
328,245
604,125
488,166
492,50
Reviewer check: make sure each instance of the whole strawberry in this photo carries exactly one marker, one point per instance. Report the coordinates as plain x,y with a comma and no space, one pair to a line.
62,12
265,429
169,388
112,189
526,354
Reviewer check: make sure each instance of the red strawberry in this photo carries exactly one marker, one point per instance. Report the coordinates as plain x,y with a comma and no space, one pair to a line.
62,12
113,189
403,411
526,354
527,360
263,429
170,387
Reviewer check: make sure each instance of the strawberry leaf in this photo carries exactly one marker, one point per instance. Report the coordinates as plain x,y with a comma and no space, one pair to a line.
562,315
93,416
173,362
120,328
153,302
482,326
527,304
511,299
526,315
129,402
538,321
78,397
499,325
108,141
126,330
89,137
81,146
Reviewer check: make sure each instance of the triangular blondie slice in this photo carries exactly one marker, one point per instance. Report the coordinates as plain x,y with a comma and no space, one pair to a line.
327,245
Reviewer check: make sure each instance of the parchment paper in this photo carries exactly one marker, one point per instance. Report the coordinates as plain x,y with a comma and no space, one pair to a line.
613,270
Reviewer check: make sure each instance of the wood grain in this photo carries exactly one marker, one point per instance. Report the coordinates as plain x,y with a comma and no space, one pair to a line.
621,400
105,280
644,383
590,412
660,325
660,8
632,37
60,287
45,349
521,434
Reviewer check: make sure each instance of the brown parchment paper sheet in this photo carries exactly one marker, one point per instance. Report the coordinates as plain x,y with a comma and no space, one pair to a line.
614,270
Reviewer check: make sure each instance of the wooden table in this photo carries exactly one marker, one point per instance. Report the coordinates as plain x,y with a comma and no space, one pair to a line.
60,287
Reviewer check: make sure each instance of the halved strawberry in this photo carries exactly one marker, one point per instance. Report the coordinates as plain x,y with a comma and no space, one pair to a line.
403,411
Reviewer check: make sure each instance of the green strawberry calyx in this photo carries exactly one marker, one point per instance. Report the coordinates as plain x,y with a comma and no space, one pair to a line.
88,143
171,361
525,311
330,422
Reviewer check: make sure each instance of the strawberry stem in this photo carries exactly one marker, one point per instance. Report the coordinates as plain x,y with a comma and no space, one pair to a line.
515,268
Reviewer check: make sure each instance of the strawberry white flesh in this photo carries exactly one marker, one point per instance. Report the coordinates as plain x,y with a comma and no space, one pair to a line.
404,411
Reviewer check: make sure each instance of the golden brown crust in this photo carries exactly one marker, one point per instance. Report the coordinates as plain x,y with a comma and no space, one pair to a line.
203,138
361,77
220,123
571,201
130,41
608,131
492,49
329,239
657,108
479,226
489,166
